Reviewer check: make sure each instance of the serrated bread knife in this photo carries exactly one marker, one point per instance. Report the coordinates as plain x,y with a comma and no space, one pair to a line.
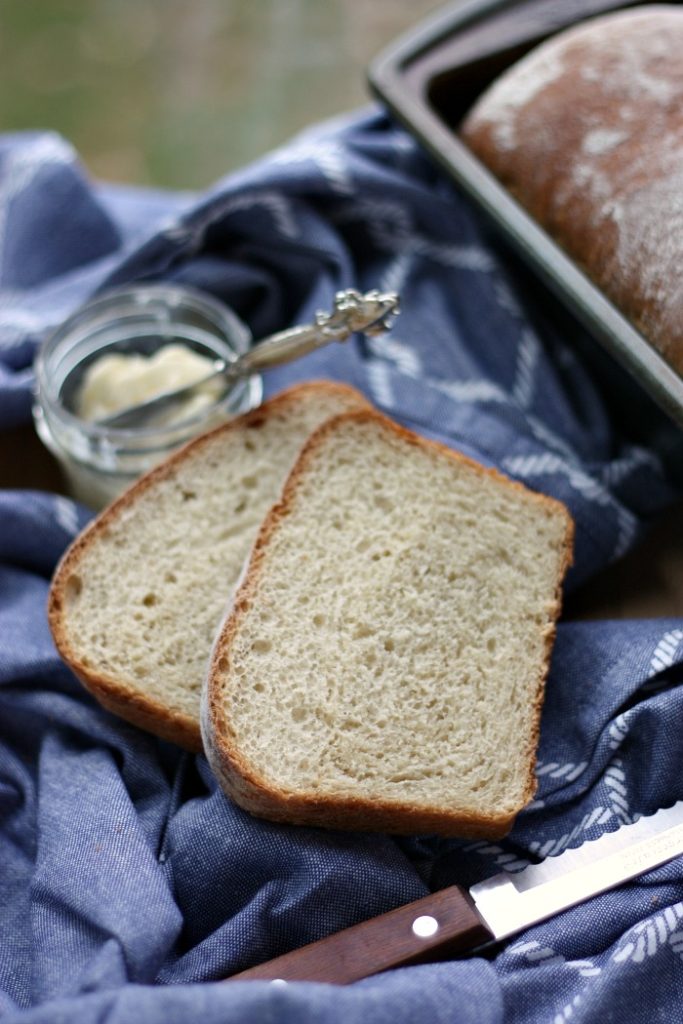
455,920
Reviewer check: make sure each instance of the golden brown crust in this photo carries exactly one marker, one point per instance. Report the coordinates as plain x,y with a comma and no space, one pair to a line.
238,777
587,134
114,694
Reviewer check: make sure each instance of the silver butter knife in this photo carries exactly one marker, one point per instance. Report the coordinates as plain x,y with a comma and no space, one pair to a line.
455,920
370,313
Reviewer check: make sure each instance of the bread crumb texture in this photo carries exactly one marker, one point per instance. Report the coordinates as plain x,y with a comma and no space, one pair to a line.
391,640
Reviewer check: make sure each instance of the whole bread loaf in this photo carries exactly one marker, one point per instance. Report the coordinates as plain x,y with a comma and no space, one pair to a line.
136,600
384,661
587,133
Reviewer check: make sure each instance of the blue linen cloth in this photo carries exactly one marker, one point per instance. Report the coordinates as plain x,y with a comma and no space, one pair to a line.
129,885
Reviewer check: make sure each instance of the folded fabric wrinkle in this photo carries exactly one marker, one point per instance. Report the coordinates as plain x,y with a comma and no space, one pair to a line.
129,885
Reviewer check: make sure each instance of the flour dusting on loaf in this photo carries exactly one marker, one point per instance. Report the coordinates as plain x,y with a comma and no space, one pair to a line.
594,151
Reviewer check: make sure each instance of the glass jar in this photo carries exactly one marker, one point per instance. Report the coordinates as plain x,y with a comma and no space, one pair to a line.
100,461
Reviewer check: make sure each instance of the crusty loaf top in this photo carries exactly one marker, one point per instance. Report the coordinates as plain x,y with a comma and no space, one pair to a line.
587,132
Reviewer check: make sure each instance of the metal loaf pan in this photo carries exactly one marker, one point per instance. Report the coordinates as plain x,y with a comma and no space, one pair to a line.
429,79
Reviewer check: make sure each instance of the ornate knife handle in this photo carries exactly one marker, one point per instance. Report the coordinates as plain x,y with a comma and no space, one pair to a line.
353,312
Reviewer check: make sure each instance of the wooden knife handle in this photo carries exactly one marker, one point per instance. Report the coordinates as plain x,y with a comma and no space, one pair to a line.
432,928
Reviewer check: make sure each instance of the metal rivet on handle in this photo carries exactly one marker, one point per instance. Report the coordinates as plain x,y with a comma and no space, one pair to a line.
425,927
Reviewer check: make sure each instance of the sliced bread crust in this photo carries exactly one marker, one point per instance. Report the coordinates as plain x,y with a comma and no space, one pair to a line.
254,779
117,689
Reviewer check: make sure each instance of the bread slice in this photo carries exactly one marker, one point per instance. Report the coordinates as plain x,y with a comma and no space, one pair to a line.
137,599
383,664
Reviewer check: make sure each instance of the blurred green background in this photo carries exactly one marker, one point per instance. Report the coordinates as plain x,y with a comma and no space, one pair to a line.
176,93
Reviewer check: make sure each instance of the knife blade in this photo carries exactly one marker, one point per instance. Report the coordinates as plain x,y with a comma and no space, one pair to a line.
455,920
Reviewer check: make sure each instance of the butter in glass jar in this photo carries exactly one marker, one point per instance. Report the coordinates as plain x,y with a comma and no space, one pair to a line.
118,350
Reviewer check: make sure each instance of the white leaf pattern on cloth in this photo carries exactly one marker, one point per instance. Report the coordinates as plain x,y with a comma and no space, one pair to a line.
666,651
529,466
553,846
510,862
650,936
569,772
274,204
66,515
618,730
535,954
327,155
615,781
567,1011
528,357
24,166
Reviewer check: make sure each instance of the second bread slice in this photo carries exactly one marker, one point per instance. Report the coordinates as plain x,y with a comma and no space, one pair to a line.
383,665
137,599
